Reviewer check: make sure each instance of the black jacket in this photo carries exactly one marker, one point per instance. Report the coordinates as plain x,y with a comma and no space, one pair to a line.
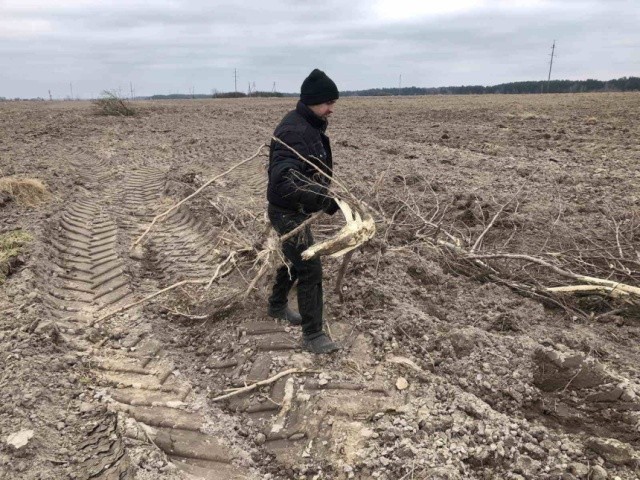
294,184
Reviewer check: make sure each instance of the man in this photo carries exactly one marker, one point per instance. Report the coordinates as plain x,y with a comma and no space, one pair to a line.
296,190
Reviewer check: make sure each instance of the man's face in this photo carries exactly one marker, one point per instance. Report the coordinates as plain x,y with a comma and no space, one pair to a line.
323,110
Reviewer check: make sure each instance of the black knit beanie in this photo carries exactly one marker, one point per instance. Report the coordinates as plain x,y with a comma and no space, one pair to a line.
318,88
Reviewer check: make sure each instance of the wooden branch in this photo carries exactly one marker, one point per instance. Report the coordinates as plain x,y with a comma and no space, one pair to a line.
341,273
493,220
612,285
586,289
315,216
358,230
216,275
145,299
217,272
484,232
209,182
253,386
286,406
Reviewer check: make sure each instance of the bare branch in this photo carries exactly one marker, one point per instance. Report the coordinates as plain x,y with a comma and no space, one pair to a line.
253,386
209,182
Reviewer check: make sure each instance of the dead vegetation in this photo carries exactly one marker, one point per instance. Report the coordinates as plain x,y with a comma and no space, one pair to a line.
473,242
25,191
113,104
461,232
258,250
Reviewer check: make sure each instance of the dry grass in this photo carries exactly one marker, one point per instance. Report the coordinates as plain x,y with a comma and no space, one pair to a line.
12,244
26,191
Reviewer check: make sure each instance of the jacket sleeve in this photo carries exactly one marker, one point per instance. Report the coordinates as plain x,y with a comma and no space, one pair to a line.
289,175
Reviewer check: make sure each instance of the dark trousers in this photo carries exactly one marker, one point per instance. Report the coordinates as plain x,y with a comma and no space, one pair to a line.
307,272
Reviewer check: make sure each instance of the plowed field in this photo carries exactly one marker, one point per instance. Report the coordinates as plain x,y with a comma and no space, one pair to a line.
444,374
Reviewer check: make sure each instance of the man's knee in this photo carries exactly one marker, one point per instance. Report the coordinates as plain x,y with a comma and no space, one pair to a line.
311,271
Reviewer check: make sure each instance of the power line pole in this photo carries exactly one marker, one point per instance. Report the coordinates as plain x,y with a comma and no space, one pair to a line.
71,88
274,87
400,85
50,97
553,49
131,88
235,80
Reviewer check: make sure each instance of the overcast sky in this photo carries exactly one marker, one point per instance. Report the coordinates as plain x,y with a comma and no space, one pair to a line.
172,46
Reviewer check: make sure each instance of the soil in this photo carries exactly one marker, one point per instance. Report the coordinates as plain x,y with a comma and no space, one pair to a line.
442,375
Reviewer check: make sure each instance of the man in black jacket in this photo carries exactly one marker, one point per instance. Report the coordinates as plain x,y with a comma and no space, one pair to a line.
296,190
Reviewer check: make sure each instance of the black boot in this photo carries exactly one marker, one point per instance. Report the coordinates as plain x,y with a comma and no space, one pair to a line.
319,343
287,314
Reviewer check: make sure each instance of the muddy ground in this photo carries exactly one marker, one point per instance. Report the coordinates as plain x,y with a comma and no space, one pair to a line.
444,374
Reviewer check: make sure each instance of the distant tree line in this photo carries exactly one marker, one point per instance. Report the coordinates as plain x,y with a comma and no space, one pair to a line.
176,96
624,84
184,96
18,99
243,95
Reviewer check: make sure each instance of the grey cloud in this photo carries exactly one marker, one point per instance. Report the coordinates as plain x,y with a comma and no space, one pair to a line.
172,48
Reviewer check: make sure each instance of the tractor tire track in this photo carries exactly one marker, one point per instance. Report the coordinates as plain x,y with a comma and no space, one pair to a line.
91,275
152,404
300,417
180,250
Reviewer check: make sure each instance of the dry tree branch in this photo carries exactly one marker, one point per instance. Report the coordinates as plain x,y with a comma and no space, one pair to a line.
357,231
607,284
217,275
209,182
617,292
230,258
352,235
341,272
315,216
146,299
253,386
188,316
263,269
493,220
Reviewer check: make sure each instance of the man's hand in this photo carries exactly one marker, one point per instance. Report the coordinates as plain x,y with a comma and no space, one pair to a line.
330,206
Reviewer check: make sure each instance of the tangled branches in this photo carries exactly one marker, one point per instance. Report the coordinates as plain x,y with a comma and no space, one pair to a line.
485,240
253,251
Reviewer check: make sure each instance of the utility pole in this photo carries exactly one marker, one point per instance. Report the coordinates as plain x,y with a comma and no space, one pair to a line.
274,87
131,88
235,80
71,88
553,49
50,97
400,85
